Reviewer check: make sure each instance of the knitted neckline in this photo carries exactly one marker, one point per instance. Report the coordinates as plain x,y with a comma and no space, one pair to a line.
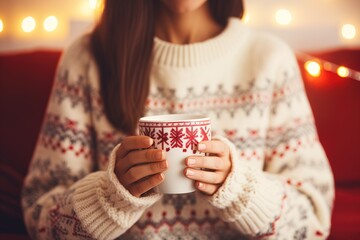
200,53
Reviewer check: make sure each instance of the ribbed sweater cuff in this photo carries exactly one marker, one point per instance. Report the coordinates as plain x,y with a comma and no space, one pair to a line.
248,198
105,208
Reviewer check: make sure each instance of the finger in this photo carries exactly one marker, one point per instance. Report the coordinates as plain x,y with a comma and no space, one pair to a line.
208,162
139,172
144,156
207,188
205,176
133,143
139,157
142,187
216,147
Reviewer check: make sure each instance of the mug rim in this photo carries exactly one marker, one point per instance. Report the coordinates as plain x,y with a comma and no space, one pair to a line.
183,117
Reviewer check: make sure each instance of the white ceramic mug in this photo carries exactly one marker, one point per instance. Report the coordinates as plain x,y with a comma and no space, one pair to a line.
178,135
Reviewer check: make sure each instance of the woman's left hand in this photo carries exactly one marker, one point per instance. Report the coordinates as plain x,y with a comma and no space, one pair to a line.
211,171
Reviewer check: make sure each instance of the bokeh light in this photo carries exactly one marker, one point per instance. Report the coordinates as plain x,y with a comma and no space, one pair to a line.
283,17
28,24
343,71
50,23
348,31
93,4
1,26
313,68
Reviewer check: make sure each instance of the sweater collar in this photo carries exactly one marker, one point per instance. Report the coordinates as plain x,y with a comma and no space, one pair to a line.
200,53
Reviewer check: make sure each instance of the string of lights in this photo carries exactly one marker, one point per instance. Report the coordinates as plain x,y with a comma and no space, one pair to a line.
50,24
314,66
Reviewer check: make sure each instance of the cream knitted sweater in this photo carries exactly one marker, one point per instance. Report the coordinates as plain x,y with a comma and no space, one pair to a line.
280,185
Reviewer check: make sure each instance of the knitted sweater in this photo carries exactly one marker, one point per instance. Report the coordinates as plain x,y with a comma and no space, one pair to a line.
280,185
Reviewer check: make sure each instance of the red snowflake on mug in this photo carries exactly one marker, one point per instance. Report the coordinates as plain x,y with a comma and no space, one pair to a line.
205,132
191,135
176,135
162,138
149,132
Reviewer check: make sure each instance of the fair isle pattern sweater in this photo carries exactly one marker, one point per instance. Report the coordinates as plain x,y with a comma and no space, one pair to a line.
280,185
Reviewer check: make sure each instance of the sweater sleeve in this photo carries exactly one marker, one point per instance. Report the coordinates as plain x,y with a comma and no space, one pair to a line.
291,195
64,195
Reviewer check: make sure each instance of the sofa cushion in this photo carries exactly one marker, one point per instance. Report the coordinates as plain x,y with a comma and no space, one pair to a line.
336,105
26,80
346,214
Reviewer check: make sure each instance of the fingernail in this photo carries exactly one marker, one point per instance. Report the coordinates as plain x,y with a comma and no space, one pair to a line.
191,161
163,165
149,141
201,146
159,155
200,185
161,176
190,172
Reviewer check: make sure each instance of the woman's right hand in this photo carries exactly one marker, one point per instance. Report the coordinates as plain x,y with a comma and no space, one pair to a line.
138,167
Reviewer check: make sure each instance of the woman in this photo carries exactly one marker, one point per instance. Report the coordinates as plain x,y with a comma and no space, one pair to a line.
266,173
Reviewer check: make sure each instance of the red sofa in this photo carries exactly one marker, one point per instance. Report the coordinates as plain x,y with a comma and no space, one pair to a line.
25,82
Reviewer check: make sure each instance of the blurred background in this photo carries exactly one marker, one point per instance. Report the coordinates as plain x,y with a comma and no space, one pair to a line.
305,25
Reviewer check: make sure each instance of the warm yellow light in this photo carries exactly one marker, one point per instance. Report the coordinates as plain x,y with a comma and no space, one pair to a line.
343,71
283,17
1,26
348,31
313,68
91,8
28,24
50,23
246,18
93,4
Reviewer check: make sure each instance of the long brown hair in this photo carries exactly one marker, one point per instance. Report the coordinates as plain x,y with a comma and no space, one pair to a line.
122,44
